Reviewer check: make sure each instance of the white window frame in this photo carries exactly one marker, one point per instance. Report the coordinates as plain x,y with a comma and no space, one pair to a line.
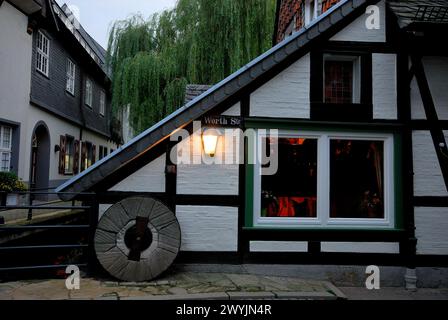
42,53
292,27
356,60
89,93
323,219
311,12
71,76
102,103
5,150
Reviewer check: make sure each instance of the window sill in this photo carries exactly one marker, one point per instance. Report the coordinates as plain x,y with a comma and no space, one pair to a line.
324,234
43,74
70,93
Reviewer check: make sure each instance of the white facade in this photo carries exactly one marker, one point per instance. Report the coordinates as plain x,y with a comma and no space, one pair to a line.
286,96
359,31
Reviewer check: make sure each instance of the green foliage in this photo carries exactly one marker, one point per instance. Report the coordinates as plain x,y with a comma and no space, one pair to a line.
199,41
9,182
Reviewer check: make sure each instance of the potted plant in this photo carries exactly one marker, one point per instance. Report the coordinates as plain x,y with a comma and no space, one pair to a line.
10,188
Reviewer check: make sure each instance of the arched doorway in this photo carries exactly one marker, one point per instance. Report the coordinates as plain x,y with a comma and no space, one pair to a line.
40,158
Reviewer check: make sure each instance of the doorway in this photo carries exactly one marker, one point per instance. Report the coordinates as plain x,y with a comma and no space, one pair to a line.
40,158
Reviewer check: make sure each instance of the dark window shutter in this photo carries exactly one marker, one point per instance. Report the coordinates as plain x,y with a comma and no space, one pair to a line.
62,147
93,154
76,158
83,156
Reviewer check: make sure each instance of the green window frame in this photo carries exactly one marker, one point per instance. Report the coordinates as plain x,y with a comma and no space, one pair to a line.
397,202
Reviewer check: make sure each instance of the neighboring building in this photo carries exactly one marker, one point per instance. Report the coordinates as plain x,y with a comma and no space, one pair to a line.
363,166
193,91
55,110
293,15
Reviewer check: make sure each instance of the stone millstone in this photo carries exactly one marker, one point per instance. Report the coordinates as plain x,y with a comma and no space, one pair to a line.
117,233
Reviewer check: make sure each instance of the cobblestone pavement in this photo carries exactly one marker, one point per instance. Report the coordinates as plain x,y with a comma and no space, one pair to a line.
177,286
357,293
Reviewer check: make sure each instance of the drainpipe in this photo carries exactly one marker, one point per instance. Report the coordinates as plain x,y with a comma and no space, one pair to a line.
81,108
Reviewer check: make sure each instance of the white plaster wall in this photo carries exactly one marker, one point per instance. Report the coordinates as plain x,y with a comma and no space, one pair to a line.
278,246
384,86
285,96
56,127
432,230
208,228
206,178
360,247
436,69
233,111
357,30
428,179
15,74
150,178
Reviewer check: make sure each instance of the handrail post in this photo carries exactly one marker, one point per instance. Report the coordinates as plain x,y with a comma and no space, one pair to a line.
93,223
30,204
3,204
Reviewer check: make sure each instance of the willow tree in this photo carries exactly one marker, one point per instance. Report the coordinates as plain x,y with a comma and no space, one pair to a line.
199,41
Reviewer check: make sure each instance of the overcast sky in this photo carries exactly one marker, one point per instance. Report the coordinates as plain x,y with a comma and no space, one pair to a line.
97,15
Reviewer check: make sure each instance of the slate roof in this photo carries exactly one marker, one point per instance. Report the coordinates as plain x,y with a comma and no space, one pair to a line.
212,97
418,11
99,51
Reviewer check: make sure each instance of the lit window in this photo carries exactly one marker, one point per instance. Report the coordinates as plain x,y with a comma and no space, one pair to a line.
69,155
102,103
71,76
89,93
42,53
327,180
356,179
292,191
5,148
342,79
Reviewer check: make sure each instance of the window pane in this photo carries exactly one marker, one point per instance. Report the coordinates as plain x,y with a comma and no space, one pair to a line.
69,155
5,163
6,143
338,81
292,191
357,179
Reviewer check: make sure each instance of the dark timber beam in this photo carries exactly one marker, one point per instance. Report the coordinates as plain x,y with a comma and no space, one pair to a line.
436,130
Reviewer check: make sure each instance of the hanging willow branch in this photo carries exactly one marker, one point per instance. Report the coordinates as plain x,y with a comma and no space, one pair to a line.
199,41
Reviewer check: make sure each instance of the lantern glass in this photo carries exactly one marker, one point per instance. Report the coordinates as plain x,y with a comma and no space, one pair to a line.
210,142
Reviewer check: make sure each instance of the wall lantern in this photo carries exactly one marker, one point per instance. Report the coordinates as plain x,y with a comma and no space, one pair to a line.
210,139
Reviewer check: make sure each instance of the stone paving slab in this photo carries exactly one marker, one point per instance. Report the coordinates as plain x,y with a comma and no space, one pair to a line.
251,295
175,286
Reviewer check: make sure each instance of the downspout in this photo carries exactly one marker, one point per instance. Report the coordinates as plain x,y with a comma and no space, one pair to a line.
50,6
81,107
